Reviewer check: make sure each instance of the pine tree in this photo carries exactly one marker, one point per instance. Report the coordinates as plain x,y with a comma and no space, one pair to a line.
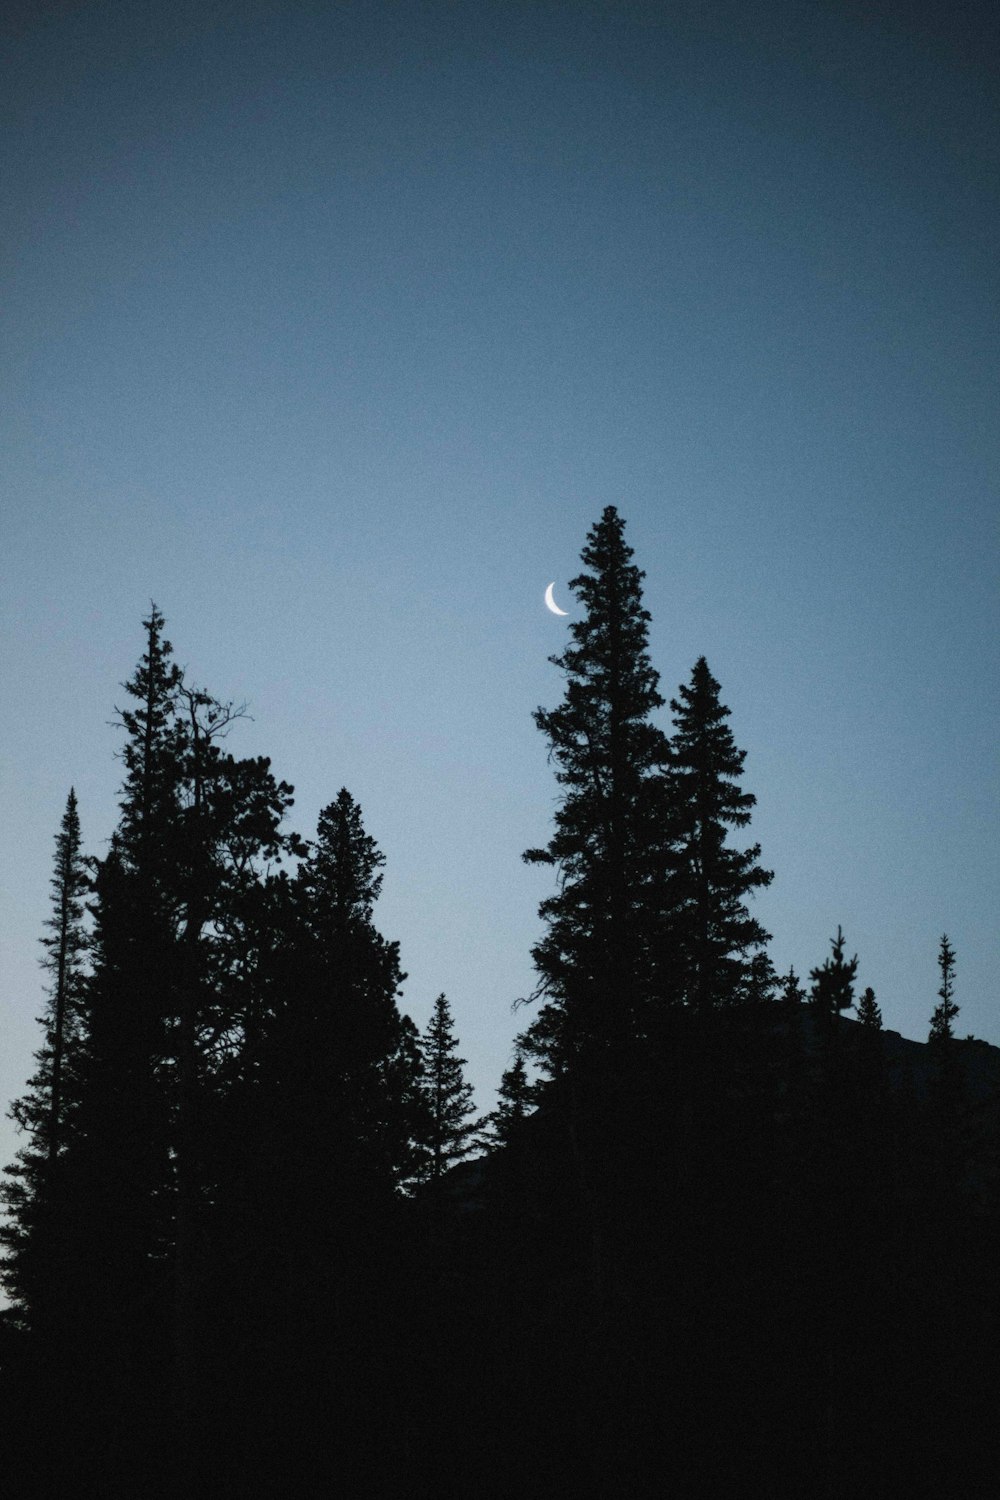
791,1000
149,825
716,939
941,1041
319,1121
603,963
870,1085
833,985
942,1031
515,1102
128,1172
359,1037
452,1133
65,949
792,993
33,1193
869,1014
123,1161
323,1055
407,1122
160,1023
227,834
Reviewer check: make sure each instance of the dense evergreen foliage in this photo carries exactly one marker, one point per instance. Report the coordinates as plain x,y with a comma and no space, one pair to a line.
833,984
451,1128
723,1238
33,1192
942,1030
869,1014
516,1097
717,940
601,958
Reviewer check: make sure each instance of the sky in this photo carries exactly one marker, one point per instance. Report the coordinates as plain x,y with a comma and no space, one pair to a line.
333,328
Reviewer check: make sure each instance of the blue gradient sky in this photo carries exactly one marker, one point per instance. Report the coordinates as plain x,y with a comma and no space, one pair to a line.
333,328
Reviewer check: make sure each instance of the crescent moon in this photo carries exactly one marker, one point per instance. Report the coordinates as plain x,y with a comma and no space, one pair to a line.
551,602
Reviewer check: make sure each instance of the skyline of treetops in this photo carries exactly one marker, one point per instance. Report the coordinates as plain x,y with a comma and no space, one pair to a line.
686,801
253,1199
700,759
651,904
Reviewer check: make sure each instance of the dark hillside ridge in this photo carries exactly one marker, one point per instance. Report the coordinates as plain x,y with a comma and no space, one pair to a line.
912,1062
778,1273
910,1066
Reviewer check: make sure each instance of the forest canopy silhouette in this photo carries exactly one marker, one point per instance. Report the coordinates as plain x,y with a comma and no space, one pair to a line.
721,1233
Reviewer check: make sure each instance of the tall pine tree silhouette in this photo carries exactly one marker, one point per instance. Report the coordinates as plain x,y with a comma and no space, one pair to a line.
602,962
320,1122
941,1041
125,1111
324,1085
832,986
869,1014
942,1030
452,1130
65,947
515,1102
349,1020
156,1022
718,944
33,1234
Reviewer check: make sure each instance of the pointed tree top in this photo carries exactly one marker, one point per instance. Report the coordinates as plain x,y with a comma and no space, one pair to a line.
942,1030
869,1014
344,863
833,980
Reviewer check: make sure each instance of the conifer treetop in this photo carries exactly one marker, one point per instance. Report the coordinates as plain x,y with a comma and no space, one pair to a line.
612,685
345,862
453,1135
869,1014
69,885
608,841
712,880
942,1021
833,981
152,729
515,1101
